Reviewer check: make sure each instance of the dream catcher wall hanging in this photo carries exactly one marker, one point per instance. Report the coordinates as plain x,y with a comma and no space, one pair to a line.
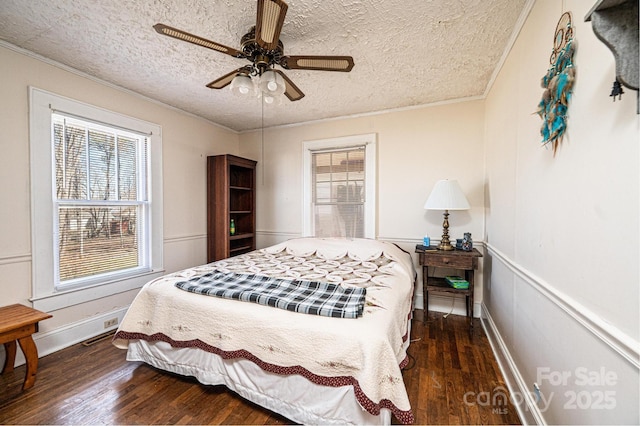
558,85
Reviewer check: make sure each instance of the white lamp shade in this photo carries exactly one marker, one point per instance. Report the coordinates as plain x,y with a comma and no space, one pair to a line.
447,195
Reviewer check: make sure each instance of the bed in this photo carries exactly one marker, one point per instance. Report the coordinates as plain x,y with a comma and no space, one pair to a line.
312,369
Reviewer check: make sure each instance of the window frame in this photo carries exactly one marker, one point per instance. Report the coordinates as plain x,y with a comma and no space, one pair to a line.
45,295
369,141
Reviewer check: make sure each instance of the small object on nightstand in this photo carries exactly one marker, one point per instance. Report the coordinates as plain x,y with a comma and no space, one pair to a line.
457,282
467,242
420,247
426,240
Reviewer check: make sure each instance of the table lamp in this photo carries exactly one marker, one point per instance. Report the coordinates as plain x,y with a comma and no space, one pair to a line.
446,195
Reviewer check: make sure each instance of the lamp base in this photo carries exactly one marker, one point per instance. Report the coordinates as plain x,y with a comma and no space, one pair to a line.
445,246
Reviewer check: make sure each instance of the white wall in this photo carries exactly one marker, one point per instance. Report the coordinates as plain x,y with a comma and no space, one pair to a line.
416,147
561,272
186,143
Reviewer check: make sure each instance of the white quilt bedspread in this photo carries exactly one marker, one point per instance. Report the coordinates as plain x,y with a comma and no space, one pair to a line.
366,352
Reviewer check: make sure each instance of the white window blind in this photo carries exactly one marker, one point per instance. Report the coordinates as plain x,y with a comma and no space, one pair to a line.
338,178
100,199
339,187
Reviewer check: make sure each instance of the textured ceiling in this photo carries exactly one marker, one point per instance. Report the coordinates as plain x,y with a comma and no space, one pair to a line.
406,52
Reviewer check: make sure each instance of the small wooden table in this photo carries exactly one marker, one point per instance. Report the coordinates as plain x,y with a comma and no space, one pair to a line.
466,261
19,322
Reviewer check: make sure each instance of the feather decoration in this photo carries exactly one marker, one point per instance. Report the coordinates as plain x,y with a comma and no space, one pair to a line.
558,87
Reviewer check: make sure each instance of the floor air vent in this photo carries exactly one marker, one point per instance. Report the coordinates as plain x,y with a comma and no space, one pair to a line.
99,338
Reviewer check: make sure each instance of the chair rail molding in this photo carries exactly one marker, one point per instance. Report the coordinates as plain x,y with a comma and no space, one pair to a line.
620,342
18,258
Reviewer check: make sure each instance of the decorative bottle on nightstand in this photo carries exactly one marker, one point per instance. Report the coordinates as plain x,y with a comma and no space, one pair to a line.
467,242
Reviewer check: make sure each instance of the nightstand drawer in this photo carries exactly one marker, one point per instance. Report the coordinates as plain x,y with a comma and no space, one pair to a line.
444,261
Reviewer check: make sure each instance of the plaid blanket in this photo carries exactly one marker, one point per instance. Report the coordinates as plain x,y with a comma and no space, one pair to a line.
309,297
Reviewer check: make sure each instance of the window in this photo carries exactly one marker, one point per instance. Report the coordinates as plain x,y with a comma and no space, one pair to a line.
97,207
339,192
99,200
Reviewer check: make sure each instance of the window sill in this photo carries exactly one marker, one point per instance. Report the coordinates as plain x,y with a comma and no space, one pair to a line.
71,297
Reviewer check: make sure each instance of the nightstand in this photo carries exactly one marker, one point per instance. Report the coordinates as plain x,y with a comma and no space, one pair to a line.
466,261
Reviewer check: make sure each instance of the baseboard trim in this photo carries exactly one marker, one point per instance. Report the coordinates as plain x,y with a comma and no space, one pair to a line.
525,404
443,304
618,341
54,340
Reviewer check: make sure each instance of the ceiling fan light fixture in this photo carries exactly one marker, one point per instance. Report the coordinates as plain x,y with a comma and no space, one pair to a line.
271,99
268,99
242,85
272,83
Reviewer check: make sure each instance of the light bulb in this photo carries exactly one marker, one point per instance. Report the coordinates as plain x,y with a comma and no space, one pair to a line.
268,99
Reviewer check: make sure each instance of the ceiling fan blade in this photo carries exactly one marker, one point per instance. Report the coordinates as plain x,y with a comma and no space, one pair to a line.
269,22
291,90
225,80
320,63
185,36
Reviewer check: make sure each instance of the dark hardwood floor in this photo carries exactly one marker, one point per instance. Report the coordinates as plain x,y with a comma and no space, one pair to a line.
453,378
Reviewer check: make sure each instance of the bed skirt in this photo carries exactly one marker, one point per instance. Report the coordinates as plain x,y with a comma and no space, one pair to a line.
294,397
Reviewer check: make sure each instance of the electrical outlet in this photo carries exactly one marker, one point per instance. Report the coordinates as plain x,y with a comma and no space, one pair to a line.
536,391
111,322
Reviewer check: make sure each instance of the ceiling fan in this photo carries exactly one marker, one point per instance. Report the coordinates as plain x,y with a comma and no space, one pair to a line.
263,48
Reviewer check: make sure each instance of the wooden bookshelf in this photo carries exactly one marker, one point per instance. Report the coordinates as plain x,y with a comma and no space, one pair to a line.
231,194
